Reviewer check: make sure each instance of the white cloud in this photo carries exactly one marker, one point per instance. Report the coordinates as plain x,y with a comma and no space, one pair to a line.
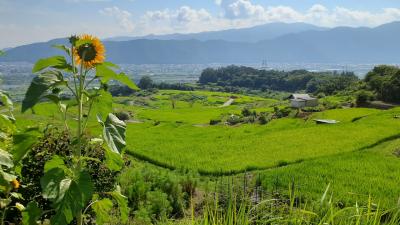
186,14
183,14
124,18
184,19
246,12
242,9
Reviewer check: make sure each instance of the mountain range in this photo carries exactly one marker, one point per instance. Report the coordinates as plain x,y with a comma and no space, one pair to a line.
251,34
277,42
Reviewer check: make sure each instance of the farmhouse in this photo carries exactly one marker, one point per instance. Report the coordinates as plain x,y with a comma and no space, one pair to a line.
302,100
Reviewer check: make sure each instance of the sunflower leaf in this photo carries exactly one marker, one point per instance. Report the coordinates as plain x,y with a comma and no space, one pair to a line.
39,87
122,202
63,48
114,160
57,62
102,209
106,74
113,132
6,159
32,214
5,99
68,196
23,142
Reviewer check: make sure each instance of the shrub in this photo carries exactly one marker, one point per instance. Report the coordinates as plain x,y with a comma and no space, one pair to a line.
53,143
313,109
282,112
215,121
122,115
233,119
158,206
329,104
246,112
262,119
146,82
159,194
281,163
363,97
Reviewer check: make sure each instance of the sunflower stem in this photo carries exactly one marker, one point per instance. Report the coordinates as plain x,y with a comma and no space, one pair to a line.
78,153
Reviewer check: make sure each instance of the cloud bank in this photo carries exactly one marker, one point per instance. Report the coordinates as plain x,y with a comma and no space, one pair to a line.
244,13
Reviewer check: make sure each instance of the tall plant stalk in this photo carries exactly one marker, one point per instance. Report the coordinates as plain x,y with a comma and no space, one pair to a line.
73,182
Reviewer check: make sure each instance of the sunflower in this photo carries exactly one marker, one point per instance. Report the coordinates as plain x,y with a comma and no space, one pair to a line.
91,52
15,183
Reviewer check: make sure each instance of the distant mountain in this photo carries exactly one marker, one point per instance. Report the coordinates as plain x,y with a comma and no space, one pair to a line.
251,34
338,45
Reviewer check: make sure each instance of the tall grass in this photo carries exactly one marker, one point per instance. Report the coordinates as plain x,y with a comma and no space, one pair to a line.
291,211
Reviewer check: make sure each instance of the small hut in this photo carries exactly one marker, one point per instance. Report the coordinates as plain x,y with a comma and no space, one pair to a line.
302,100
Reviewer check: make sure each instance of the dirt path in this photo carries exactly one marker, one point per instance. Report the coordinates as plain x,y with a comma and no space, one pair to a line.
228,103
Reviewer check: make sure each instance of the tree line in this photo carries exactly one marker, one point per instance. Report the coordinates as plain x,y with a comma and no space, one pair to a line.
290,81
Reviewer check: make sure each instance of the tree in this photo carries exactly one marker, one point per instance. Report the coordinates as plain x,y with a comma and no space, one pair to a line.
385,81
291,81
146,82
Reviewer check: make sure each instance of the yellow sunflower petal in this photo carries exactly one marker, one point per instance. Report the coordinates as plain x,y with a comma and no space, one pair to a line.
89,54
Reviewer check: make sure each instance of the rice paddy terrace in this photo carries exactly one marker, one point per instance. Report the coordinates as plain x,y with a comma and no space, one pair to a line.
182,137
172,129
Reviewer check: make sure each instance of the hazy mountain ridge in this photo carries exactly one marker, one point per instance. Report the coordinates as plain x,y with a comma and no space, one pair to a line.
250,34
337,45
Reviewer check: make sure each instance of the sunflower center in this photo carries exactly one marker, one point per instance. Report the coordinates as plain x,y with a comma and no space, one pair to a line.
87,52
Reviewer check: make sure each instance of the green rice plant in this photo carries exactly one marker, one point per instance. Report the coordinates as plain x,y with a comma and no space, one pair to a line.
281,211
212,149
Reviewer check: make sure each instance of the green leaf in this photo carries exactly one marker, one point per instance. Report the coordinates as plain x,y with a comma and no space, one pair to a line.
106,74
102,103
114,133
5,99
102,209
63,48
22,143
114,160
55,162
6,159
57,62
7,176
39,86
68,204
122,203
86,187
52,97
110,64
68,196
4,202
16,195
2,53
50,183
31,214
6,122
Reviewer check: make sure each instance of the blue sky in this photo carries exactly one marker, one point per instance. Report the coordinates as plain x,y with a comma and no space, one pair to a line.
27,21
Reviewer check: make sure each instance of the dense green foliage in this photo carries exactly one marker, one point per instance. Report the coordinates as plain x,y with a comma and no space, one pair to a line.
58,143
156,195
69,178
297,80
385,82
